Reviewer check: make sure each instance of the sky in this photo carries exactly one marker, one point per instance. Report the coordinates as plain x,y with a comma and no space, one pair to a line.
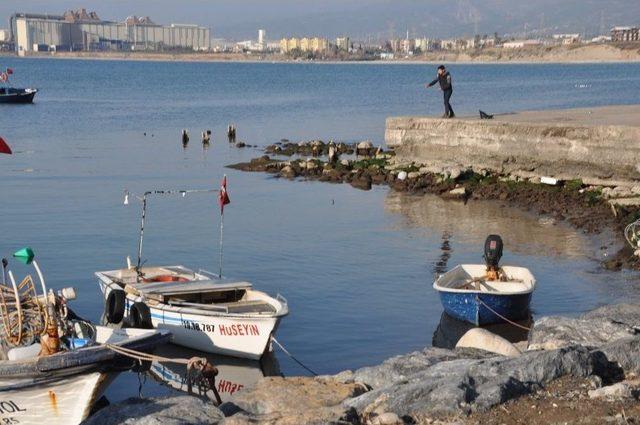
240,19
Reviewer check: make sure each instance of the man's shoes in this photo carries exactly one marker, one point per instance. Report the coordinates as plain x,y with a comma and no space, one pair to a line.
445,116
452,116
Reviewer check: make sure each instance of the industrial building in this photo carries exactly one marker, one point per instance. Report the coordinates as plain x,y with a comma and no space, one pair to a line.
82,30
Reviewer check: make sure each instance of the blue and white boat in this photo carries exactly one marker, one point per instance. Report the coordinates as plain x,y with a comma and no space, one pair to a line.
486,294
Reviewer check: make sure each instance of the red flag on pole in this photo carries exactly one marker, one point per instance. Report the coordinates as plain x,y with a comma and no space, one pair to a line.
223,196
4,148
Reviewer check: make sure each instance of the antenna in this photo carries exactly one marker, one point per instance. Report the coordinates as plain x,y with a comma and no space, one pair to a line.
143,199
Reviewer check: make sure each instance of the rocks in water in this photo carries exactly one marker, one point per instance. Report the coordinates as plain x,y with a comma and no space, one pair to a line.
185,137
317,148
231,133
262,164
176,410
365,148
288,171
592,329
362,181
296,400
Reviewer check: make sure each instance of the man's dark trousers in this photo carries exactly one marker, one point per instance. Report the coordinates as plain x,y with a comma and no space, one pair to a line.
448,110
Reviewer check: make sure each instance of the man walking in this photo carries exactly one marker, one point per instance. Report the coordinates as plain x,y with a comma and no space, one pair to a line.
444,78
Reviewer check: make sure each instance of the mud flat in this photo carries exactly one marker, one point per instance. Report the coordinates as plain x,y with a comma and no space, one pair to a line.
600,146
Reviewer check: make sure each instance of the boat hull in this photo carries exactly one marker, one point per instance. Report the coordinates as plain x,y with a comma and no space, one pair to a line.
65,401
472,306
18,97
237,336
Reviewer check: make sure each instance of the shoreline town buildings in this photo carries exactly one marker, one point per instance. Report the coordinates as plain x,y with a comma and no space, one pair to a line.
82,30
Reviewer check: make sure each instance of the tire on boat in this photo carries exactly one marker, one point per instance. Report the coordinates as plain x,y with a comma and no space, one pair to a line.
140,316
114,307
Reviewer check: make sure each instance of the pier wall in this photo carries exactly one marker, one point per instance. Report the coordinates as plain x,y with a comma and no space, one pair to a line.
596,153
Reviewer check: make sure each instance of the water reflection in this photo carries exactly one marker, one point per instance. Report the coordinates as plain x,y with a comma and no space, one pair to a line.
450,330
523,232
441,264
234,374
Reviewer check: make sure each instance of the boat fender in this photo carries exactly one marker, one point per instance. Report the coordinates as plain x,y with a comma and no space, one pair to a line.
140,316
114,307
483,339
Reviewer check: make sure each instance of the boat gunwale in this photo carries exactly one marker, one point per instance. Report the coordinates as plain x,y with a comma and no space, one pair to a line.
77,361
157,305
440,288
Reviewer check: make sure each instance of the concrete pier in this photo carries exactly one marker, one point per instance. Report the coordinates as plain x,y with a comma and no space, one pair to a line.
601,146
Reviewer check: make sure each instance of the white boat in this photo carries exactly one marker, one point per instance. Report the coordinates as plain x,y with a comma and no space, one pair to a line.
201,311
55,366
62,388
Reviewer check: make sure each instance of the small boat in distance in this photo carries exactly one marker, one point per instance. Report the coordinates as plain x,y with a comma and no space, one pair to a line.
202,310
486,294
14,95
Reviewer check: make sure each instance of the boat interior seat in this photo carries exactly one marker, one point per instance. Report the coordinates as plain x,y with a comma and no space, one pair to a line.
24,353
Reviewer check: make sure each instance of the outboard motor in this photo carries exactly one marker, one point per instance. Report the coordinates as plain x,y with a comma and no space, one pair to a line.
492,255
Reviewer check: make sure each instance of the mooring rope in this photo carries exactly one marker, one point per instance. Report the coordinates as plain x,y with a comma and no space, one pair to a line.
194,363
502,317
293,357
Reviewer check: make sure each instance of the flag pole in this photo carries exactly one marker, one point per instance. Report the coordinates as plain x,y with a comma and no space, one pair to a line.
221,239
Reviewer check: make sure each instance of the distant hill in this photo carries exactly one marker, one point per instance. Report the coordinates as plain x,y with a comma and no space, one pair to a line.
240,19
451,18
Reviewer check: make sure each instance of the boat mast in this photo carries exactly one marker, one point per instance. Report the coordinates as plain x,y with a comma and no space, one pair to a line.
143,199
144,214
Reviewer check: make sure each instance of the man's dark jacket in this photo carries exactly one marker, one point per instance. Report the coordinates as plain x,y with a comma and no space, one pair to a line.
444,80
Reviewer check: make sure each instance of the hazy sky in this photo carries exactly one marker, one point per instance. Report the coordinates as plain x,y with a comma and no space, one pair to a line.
238,19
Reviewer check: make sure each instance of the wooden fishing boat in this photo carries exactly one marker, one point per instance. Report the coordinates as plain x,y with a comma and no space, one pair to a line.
202,310
54,365
486,294
62,388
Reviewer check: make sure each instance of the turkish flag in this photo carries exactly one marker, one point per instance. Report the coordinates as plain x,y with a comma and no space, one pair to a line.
223,196
4,148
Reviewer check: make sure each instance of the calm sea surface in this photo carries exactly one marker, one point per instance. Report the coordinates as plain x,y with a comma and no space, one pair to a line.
356,267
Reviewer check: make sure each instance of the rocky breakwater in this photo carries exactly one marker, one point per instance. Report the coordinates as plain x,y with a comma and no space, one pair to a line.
575,370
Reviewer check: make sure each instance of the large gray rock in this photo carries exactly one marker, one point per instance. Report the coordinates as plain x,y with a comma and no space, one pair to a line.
176,410
400,368
593,329
463,385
